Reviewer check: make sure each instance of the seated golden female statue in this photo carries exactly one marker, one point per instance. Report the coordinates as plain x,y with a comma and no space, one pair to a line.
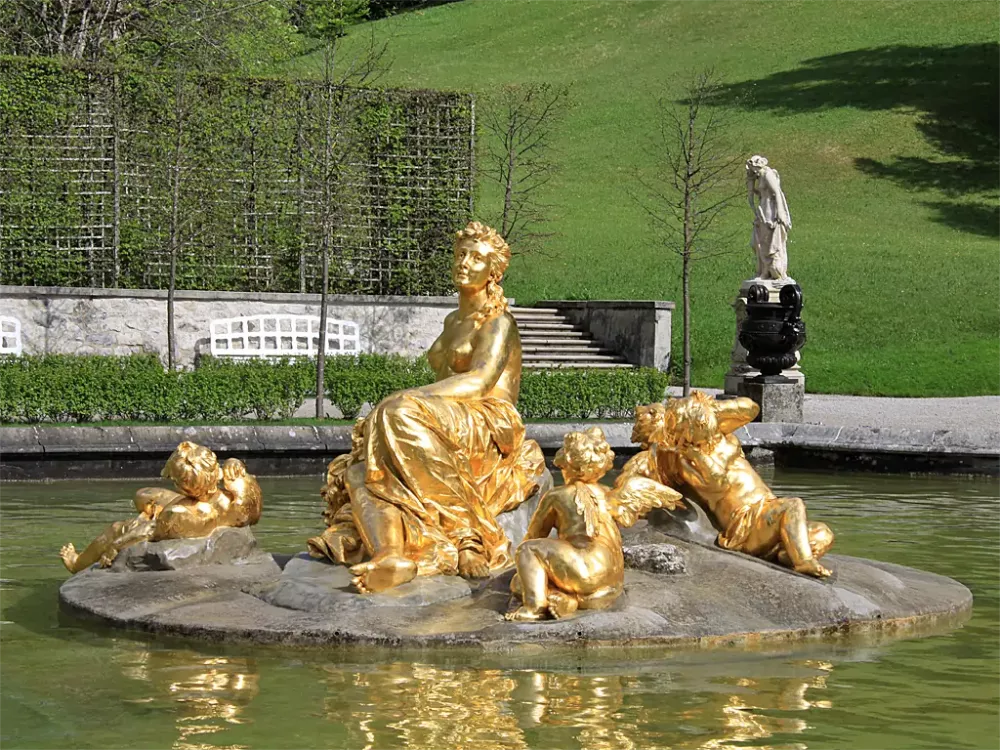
583,568
198,508
439,463
697,454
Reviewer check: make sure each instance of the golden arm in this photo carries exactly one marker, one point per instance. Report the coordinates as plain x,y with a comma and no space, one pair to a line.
735,413
543,520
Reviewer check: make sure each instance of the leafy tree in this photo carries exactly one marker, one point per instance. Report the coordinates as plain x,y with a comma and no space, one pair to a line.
234,35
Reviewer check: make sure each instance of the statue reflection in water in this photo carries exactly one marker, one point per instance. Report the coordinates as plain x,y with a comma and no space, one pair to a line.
409,705
206,694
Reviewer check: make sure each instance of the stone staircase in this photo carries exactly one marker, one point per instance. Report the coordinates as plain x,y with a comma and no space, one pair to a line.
549,341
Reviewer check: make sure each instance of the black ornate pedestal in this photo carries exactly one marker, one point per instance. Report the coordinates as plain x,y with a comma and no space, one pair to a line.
772,333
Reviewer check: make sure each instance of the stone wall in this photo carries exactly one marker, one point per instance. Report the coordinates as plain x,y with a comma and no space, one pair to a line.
639,330
63,320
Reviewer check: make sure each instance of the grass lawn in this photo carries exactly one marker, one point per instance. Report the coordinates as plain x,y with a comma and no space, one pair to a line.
881,117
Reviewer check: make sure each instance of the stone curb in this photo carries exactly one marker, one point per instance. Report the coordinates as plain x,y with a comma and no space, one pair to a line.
771,435
981,447
776,435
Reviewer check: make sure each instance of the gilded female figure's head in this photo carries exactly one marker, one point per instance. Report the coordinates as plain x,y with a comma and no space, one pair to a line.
194,469
481,258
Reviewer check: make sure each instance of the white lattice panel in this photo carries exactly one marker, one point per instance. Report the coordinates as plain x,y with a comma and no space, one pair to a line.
10,336
281,336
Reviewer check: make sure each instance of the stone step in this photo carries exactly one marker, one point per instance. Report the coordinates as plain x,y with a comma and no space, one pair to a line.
557,334
560,338
534,326
554,356
578,366
581,348
535,312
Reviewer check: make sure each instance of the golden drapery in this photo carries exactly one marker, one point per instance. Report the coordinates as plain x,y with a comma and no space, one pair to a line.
450,467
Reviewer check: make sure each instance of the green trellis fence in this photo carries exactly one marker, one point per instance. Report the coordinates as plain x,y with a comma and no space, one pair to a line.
104,174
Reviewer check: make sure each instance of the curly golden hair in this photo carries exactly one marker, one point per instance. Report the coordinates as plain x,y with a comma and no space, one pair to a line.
649,419
691,420
194,469
586,455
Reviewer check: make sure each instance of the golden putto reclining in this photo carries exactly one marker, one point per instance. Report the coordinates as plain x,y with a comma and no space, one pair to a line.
433,467
693,450
199,507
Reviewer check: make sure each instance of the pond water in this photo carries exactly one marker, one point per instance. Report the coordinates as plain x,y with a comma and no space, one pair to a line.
66,685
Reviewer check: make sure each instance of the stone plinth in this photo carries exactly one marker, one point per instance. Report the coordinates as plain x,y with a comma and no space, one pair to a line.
739,369
225,546
718,598
779,399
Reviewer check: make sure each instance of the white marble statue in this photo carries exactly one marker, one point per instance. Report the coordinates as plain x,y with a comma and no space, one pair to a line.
771,219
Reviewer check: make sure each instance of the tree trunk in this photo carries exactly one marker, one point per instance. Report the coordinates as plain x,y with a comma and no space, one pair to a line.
686,294
321,353
327,217
686,288
508,194
175,206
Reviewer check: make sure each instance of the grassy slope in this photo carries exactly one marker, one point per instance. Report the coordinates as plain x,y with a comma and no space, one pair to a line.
901,297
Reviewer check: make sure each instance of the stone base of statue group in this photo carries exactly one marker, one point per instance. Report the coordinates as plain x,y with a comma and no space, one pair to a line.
780,398
680,590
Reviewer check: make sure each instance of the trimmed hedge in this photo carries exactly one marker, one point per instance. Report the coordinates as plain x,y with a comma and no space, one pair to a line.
66,388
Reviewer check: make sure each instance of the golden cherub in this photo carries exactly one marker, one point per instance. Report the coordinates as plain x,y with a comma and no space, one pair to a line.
198,508
697,454
341,541
584,567
649,420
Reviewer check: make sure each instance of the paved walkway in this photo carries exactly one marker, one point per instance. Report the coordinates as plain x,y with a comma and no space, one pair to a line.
978,413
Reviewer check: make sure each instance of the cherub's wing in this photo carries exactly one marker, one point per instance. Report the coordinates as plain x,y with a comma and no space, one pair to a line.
635,497
586,505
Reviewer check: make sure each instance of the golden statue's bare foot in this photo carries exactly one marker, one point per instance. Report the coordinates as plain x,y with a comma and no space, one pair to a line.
472,565
383,573
811,567
562,605
523,614
69,555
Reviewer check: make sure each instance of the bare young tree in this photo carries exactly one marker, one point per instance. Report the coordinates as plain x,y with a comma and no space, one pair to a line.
697,178
344,79
519,121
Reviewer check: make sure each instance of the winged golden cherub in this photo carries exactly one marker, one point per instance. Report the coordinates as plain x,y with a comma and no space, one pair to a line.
340,542
584,567
196,509
696,451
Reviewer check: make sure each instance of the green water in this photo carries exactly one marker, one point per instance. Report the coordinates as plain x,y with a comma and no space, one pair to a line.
65,685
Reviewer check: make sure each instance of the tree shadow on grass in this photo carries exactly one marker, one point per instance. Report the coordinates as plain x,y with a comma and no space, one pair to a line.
955,89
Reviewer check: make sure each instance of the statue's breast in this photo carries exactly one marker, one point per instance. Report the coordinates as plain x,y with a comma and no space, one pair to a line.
462,344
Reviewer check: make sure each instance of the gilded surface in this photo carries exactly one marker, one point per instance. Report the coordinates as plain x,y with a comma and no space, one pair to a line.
434,466
697,453
196,509
583,568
